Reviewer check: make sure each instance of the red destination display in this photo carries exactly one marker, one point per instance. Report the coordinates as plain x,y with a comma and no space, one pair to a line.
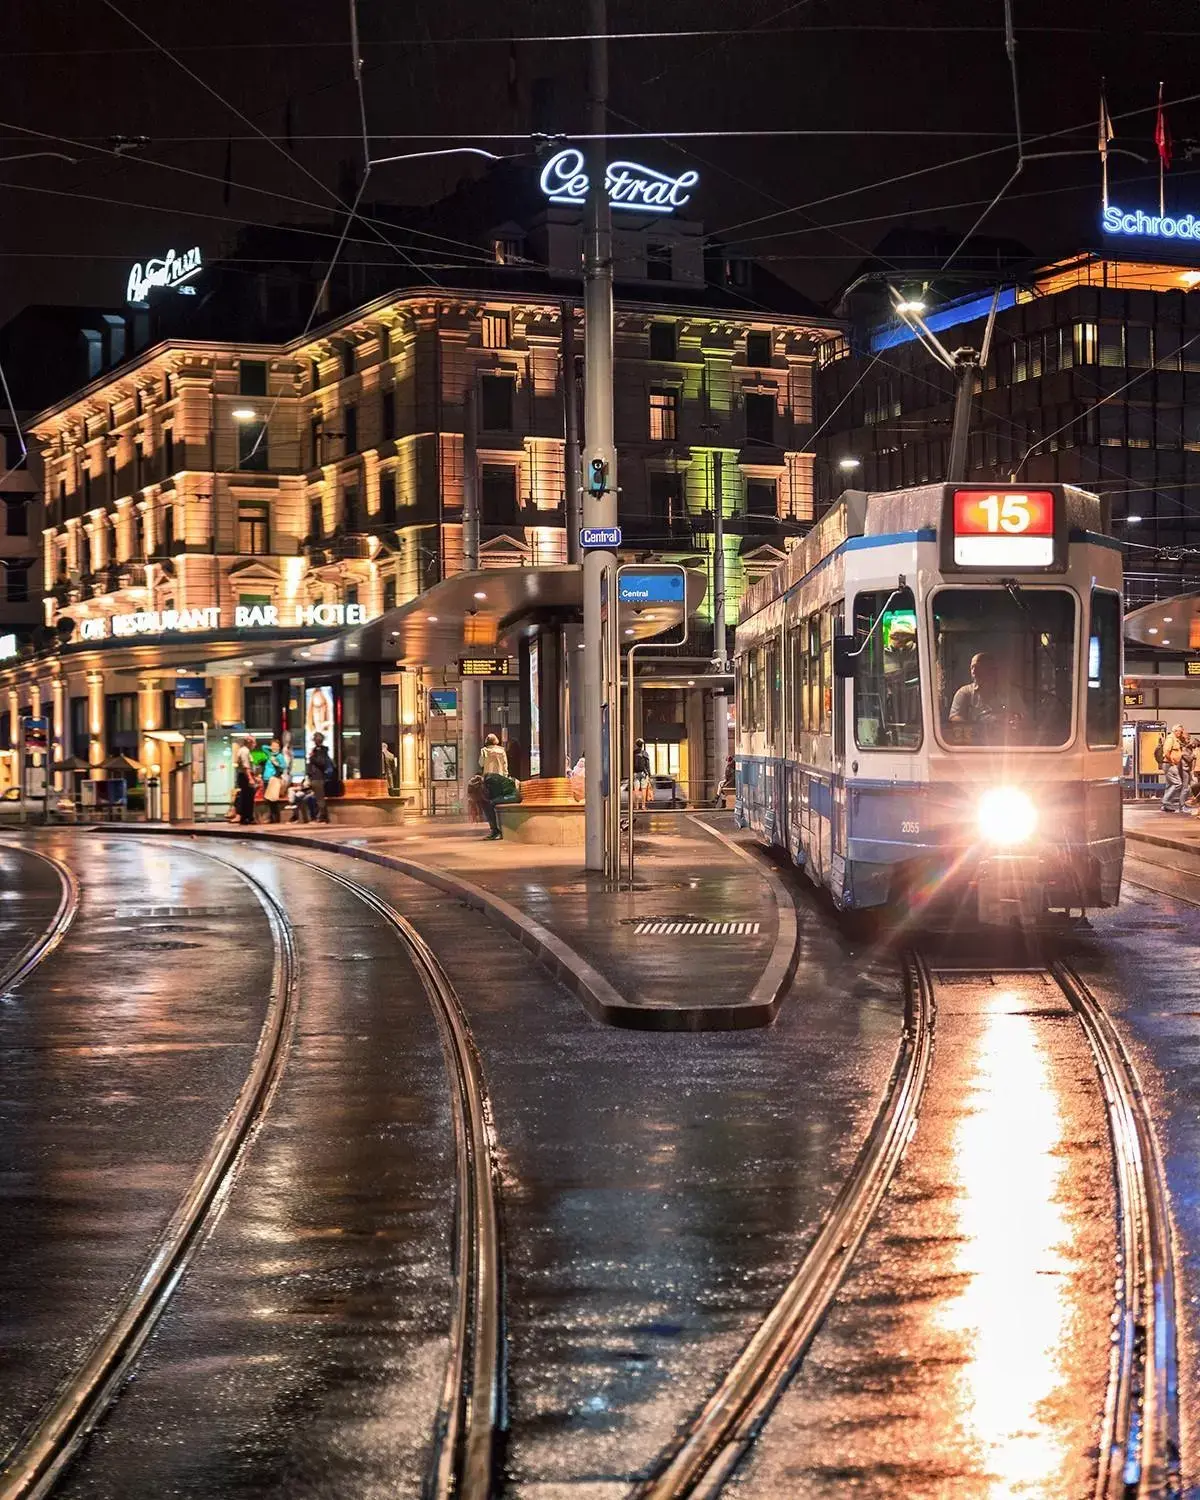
1004,528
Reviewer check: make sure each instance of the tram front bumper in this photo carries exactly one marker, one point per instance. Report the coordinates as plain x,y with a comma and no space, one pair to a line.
1010,886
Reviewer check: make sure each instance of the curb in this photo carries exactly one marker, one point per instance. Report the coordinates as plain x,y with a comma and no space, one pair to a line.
775,980
597,995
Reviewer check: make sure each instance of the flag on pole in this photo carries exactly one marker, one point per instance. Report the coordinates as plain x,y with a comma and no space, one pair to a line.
1106,135
1162,139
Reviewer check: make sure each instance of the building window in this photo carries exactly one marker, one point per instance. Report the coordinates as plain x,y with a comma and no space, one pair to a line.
80,739
18,583
667,509
389,593
662,341
87,488
350,428
831,351
256,709
494,330
1112,344
658,261
351,594
1084,343
388,416
314,442
168,451
252,377
506,252
112,481
758,348
254,601
347,360
315,369
664,416
166,522
252,445
350,517
254,529
316,519
16,518
496,403
760,418
121,723
498,495
387,497
762,497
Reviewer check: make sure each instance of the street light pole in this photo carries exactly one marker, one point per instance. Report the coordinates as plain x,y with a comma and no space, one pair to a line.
966,365
471,688
720,712
600,464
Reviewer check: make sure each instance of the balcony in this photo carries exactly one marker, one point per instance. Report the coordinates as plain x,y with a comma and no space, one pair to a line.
353,546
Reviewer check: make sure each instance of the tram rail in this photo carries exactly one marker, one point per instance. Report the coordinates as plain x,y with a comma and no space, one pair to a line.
42,1455
731,1419
472,1406
19,968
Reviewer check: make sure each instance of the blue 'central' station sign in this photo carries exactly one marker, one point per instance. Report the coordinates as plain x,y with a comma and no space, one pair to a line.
661,586
600,536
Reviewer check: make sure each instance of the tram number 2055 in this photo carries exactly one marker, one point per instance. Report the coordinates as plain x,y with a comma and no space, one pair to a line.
910,826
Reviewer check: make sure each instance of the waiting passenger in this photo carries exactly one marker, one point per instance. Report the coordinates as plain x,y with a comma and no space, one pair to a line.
984,708
492,759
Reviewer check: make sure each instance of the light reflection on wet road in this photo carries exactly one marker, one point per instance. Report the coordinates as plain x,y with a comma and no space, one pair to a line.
967,1354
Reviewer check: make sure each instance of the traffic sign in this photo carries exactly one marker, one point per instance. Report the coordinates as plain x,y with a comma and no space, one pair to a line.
650,586
600,536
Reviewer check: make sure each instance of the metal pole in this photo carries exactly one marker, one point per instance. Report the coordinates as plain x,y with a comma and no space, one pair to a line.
571,486
600,467
720,728
966,362
470,688
629,757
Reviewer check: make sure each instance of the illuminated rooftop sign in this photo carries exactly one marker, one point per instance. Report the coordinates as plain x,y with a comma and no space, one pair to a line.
171,271
1152,226
630,184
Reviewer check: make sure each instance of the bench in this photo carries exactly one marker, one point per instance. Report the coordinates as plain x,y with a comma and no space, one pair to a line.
546,814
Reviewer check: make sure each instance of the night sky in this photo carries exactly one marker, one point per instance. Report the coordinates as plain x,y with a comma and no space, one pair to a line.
77,69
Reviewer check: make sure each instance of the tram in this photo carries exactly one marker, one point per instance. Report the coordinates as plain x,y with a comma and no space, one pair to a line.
929,703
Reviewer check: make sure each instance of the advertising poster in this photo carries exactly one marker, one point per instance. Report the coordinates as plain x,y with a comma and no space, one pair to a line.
318,714
443,701
535,713
443,762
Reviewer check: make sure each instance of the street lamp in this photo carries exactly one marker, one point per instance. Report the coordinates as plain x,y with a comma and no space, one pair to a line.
1133,520
244,414
847,464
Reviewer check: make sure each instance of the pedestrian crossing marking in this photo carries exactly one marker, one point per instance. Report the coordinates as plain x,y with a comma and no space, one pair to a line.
665,927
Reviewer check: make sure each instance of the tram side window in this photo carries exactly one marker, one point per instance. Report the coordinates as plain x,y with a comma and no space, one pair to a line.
812,697
774,692
753,715
826,671
1104,672
797,662
887,679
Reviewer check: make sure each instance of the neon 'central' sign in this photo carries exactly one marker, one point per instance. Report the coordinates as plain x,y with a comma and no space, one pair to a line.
630,184
1157,226
171,271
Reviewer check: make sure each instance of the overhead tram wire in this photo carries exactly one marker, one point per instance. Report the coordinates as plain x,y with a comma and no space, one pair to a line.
943,166
233,109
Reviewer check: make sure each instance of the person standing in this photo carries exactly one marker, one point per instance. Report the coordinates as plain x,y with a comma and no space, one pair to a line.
641,776
1174,749
243,763
274,773
492,759
320,772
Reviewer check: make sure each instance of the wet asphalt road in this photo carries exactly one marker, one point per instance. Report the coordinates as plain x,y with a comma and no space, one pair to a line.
116,1069
658,1191
29,895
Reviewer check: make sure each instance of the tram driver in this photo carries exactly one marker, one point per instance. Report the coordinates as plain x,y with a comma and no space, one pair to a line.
985,710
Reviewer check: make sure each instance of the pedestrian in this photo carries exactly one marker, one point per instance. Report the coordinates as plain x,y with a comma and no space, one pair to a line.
482,804
1173,749
492,759
320,774
275,777
641,776
243,762
497,789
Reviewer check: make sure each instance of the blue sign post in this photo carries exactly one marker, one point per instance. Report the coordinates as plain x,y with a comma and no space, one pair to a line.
650,586
600,536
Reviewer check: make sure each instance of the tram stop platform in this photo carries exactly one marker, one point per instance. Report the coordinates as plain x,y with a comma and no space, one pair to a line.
708,939
1162,850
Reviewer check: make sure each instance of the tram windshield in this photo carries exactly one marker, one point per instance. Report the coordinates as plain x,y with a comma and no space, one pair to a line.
887,679
1004,665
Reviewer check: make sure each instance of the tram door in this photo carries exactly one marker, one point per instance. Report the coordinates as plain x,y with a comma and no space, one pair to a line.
837,872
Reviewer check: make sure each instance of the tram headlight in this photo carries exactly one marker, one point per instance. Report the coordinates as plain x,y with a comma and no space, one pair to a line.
1007,816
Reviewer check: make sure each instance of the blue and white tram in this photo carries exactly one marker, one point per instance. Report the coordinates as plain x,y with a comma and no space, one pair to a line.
929,702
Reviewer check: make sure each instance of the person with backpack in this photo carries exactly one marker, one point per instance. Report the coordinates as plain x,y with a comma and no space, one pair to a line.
321,774
1174,749
641,776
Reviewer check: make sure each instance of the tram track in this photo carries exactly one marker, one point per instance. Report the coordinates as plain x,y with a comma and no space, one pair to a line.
42,1455
712,1448
472,1406
23,964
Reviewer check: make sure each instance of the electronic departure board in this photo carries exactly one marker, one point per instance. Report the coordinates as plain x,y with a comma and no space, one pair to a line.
1003,529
